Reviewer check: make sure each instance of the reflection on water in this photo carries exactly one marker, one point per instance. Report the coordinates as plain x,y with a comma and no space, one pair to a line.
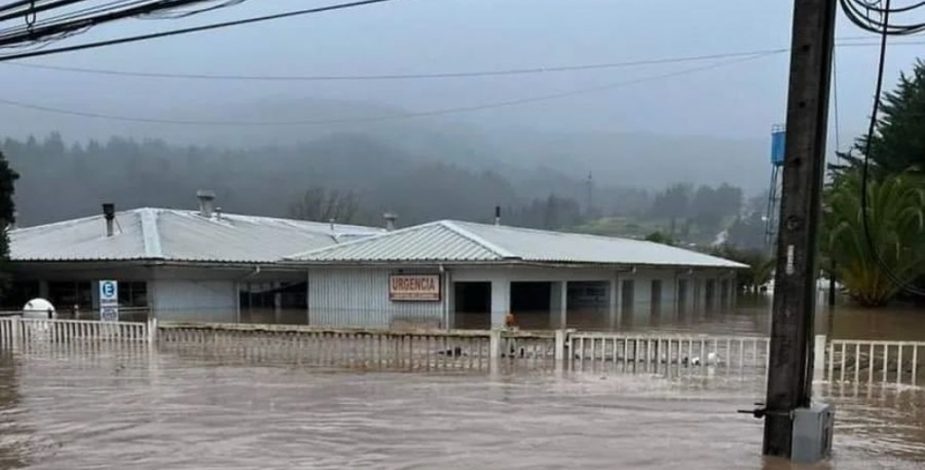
130,408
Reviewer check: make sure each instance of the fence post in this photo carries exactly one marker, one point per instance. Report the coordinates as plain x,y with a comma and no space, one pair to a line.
494,343
16,327
152,330
819,358
560,345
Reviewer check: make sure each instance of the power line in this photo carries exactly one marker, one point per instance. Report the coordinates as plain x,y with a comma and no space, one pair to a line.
81,20
416,76
434,75
865,168
391,117
194,29
865,16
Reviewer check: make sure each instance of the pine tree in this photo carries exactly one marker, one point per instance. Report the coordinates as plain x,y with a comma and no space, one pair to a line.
898,143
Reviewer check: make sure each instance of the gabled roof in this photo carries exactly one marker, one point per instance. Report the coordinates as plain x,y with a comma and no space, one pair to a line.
176,235
454,241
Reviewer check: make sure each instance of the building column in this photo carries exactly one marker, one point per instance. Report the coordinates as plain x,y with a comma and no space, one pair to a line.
500,302
449,297
558,301
613,301
43,290
277,305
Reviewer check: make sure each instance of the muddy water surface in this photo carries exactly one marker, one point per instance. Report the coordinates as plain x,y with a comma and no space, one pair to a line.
131,408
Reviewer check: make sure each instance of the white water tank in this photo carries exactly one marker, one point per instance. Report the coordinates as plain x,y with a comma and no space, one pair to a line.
38,309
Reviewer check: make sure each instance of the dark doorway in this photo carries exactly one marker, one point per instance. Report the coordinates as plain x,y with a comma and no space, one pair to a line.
724,294
682,296
628,289
531,304
655,301
472,305
710,294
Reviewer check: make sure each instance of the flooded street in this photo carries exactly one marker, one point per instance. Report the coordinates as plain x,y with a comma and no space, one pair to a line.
134,408
753,317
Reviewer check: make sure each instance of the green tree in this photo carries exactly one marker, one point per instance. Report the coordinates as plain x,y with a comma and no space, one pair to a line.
660,237
760,266
8,179
896,219
898,143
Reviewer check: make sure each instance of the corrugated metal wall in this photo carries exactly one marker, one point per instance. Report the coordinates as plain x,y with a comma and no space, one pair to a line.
360,297
186,300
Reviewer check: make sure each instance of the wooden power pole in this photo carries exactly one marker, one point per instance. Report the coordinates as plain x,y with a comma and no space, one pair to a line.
790,366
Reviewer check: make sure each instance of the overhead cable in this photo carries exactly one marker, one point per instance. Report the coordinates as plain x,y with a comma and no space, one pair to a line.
387,117
194,29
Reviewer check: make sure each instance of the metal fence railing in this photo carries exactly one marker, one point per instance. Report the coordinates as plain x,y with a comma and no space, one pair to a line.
15,331
688,350
869,361
840,361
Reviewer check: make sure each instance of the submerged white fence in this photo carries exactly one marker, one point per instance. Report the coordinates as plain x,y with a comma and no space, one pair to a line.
836,361
16,331
689,350
865,361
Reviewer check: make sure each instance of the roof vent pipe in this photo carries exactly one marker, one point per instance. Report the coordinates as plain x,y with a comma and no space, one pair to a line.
109,213
206,202
218,213
390,219
497,215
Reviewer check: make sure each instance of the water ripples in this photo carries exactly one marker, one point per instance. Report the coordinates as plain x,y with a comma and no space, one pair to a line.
125,409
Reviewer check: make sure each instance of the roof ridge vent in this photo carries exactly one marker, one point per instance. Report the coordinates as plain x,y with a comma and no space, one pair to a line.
206,202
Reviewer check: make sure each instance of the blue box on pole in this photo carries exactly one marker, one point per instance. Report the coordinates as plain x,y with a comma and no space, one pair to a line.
778,141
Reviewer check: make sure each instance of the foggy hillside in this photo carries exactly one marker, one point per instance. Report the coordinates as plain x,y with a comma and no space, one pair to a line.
536,162
62,179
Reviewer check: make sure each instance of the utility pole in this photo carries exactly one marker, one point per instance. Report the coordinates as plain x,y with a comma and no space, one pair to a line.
791,350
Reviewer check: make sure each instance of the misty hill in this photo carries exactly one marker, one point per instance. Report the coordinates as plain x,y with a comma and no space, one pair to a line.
61,180
479,141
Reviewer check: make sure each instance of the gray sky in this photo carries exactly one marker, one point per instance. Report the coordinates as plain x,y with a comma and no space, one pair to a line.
739,101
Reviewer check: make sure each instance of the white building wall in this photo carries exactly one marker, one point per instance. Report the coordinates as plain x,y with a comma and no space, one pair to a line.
360,297
193,300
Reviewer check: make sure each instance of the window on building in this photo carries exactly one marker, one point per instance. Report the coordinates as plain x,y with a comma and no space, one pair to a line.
133,294
18,293
70,298
273,302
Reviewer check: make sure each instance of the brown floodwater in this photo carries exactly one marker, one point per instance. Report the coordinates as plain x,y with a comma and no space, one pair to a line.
145,409
148,409
753,317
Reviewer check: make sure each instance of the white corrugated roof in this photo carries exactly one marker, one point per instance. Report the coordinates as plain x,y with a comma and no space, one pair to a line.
176,235
454,241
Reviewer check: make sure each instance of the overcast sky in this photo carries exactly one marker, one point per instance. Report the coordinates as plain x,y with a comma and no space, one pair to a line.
738,101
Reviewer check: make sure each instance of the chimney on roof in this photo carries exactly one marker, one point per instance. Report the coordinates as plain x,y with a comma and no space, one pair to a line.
390,218
497,215
109,213
206,202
